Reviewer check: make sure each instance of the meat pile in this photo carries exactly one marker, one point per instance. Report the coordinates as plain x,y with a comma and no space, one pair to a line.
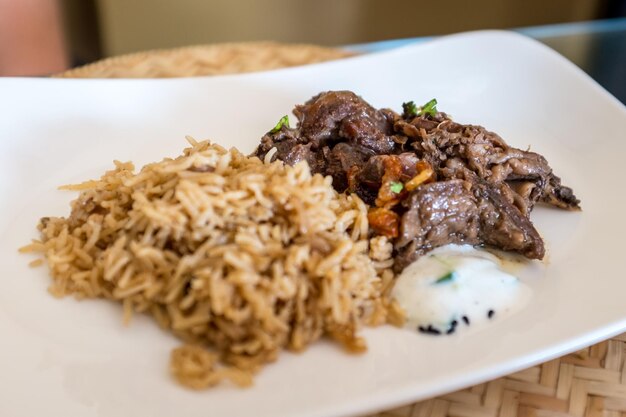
429,181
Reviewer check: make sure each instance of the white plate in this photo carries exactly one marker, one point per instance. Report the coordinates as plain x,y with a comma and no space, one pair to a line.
69,358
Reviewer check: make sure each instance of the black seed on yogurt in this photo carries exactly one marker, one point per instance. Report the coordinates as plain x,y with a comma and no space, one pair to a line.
433,330
466,320
490,313
429,330
452,327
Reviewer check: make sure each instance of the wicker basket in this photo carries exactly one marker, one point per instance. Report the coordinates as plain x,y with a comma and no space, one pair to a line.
193,61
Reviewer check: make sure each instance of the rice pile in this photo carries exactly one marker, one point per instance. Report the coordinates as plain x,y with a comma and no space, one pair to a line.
238,257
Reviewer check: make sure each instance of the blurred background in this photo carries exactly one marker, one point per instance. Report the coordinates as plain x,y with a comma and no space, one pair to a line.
39,37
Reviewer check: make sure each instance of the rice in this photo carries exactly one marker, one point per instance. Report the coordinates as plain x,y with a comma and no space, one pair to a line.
238,257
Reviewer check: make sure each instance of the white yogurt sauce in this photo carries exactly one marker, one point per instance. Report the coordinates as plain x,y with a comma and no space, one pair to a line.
456,286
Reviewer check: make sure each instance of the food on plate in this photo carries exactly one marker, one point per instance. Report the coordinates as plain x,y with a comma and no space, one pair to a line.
242,256
429,181
237,257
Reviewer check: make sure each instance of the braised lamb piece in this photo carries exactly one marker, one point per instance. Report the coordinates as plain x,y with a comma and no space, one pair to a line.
429,180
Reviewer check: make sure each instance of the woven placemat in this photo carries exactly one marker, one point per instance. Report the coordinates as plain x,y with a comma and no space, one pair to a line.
590,382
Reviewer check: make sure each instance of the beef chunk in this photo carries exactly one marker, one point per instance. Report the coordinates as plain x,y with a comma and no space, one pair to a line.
336,115
342,160
437,214
463,212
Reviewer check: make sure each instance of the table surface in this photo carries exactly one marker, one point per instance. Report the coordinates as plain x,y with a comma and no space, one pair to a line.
598,47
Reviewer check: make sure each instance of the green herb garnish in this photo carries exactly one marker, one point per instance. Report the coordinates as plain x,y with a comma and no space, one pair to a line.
284,121
409,109
445,278
396,187
429,108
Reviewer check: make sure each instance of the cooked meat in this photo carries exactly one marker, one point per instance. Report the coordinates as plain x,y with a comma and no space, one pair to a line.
459,211
342,160
370,176
432,181
559,195
437,214
503,226
332,116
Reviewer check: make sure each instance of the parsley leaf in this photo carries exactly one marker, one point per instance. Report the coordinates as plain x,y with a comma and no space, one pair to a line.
396,187
409,109
429,108
284,121
445,278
